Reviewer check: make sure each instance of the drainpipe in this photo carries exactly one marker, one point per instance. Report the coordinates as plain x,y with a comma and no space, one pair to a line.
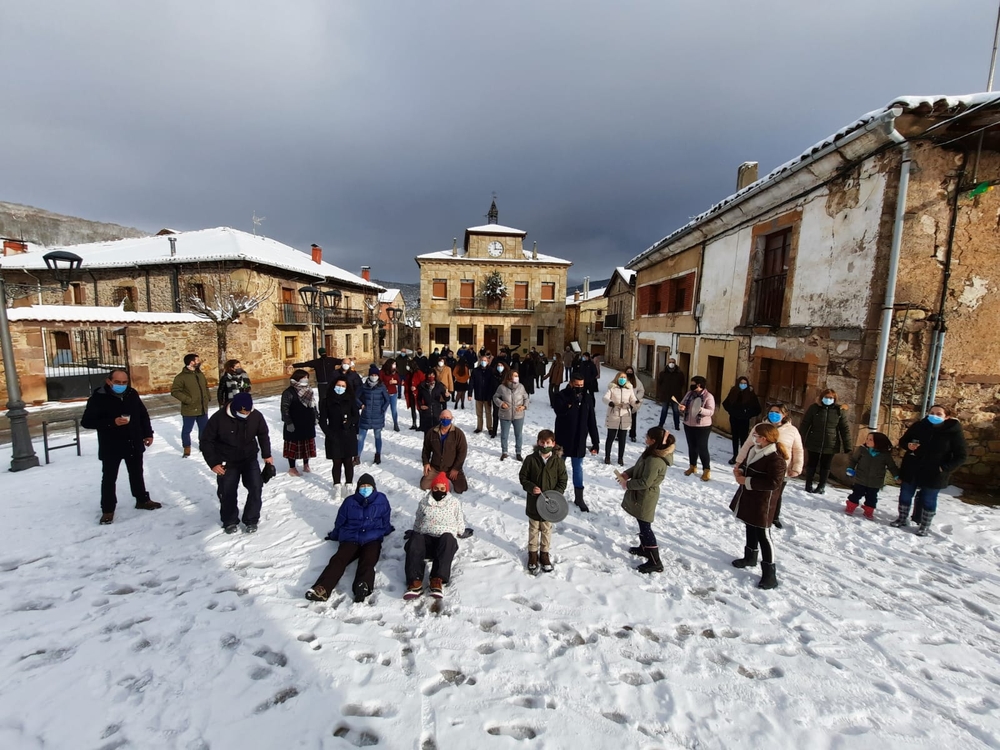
890,286
94,279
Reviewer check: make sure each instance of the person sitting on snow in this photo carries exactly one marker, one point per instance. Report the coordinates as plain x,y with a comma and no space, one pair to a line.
439,525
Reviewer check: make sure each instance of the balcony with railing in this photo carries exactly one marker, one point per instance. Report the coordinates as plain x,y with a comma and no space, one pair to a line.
614,320
292,314
481,304
768,300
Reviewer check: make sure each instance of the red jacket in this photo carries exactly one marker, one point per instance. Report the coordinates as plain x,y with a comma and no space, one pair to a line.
413,381
391,381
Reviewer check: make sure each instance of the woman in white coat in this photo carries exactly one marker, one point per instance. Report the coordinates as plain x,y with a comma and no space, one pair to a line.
640,394
621,401
788,436
511,403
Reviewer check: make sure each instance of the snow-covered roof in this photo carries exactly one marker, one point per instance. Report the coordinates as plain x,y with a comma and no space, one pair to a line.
626,276
91,314
593,294
447,255
495,229
388,296
939,106
200,246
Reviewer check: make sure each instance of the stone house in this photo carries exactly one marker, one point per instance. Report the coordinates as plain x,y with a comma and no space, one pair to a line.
491,292
585,319
620,296
161,275
866,264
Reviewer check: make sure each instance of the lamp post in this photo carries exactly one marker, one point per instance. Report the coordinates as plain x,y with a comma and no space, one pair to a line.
64,266
308,295
327,299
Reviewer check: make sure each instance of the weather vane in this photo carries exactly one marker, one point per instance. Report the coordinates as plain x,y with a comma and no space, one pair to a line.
257,221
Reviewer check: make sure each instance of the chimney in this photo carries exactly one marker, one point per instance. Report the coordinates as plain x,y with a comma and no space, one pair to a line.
534,251
586,288
454,247
317,254
746,174
366,273
173,246
576,296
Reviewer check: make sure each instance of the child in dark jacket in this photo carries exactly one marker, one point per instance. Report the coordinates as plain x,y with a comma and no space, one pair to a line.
362,522
541,471
867,466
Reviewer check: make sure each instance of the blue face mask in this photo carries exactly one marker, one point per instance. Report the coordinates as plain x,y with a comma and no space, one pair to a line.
446,423
499,368
366,491
339,389
242,415
828,401
743,386
622,381
934,419
119,388
774,417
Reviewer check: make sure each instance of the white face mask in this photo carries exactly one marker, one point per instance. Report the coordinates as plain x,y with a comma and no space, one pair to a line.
346,365
441,363
304,382
515,381
373,379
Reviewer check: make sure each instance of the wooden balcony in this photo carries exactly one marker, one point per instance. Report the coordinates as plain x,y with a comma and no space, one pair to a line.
291,314
504,306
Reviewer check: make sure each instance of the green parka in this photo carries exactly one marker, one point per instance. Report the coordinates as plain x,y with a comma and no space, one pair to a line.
546,475
642,491
191,388
824,429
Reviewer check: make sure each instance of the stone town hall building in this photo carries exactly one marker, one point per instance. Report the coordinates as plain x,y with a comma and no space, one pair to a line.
492,292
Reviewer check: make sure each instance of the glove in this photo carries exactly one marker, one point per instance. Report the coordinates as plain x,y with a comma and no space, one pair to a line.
407,534
849,471
466,534
268,473
290,427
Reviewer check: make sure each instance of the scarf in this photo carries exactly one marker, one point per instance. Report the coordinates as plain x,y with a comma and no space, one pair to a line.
305,394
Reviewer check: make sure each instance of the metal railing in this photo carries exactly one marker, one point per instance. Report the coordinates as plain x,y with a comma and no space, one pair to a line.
484,304
292,314
769,300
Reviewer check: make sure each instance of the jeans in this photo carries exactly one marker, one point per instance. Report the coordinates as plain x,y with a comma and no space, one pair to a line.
110,478
201,420
249,471
697,440
363,433
393,398
505,433
646,536
577,464
926,499
670,404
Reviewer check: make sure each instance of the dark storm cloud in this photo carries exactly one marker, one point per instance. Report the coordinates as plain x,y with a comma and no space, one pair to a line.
380,130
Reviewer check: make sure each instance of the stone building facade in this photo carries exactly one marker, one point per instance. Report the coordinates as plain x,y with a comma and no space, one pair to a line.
620,296
457,308
585,319
795,275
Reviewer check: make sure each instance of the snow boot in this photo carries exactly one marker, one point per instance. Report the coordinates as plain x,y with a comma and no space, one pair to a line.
378,458
706,475
901,520
414,590
231,528
692,469
869,511
533,563
579,501
147,504
777,523
317,594
851,507
653,564
361,592
545,562
810,473
925,523
768,580
187,451
639,551
107,519
437,588
749,559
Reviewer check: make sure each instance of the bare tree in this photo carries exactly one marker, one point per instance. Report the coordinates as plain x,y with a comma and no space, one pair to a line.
222,297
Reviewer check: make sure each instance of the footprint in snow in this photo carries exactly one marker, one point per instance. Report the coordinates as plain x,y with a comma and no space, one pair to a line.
517,731
532,701
282,696
447,677
356,737
518,599
274,658
372,709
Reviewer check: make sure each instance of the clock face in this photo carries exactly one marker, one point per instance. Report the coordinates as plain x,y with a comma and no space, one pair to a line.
495,249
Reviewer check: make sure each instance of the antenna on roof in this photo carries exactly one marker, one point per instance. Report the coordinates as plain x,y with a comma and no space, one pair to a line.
257,221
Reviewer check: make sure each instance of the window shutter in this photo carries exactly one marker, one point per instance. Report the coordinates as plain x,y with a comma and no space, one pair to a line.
643,303
688,282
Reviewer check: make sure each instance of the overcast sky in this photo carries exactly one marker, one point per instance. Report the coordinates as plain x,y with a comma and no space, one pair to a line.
380,130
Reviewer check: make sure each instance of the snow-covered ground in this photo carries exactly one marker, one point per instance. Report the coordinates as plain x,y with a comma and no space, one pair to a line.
161,632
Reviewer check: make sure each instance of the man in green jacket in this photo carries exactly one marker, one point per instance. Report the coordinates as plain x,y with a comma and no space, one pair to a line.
191,389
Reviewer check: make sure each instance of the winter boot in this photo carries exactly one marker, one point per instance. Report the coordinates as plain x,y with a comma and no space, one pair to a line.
749,559
533,562
869,511
653,564
187,451
706,475
639,551
917,513
851,507
544,561
692,469
414,590
147,504
901,520
768,580
925,523
580,503
378,458
810,473
437,588
317,594
361,592
107,518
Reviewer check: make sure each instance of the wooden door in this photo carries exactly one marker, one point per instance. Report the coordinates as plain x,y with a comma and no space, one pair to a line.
490,338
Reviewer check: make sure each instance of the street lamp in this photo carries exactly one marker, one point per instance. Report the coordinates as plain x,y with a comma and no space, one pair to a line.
394,314
327,299
64,266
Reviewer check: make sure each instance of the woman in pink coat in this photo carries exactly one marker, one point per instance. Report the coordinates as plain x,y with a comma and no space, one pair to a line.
788,436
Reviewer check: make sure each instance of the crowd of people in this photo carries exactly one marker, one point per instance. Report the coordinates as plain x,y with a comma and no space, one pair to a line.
345,407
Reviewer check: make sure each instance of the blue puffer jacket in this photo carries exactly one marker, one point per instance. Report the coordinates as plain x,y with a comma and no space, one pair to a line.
375,399
362,520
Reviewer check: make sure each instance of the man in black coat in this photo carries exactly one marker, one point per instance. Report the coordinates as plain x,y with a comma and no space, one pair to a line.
590,373
671,385
123,433
229,447
325,368
485,382
576,420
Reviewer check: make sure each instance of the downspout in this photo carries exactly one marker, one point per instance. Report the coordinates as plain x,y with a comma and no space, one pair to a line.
149,298
94,279
890,286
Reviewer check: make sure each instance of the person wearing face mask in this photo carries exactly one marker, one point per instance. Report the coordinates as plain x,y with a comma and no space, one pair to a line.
576,420
510,404
230,446
414,378
543,470
743,405
698,406
123,434
824,433
339,420
353,378
484,387
445,449
789,437
298,419
444,376
621,401
325,367
438,526
555,377
432,399
393,383
591,373
759,477
935,447
363,521
640,394
191,388
669,392
642,493
867,467
462,375
374,402
234,380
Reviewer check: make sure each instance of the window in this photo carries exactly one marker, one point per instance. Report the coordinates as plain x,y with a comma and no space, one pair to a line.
439,290
348,348
540,337
291,347
467,294
364,342
647,355
521,295
442,336
769,283
74,295
196,291
125,294
669,296
515,336
465,335
548,291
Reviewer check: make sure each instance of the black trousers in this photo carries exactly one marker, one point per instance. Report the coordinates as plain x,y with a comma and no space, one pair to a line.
697,440
367,556
741,431
109,480
439,549
347,464
870,494
758,537
613,435
248,471
818,462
